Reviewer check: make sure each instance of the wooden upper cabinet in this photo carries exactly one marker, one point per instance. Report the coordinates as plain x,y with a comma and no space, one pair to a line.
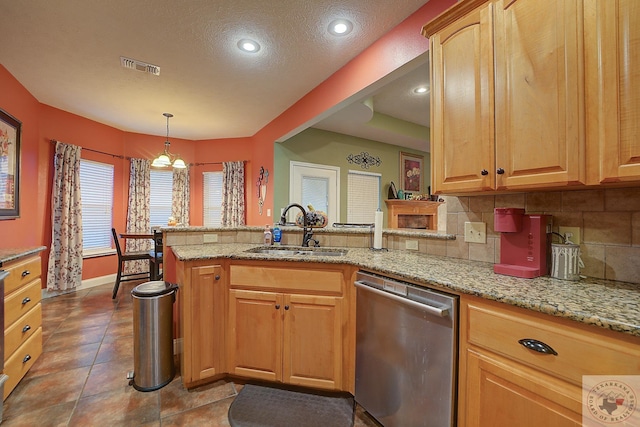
462,132
613,90
507,99
539,105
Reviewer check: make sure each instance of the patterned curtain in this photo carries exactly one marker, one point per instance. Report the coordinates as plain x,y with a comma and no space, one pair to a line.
138,211
233,194
180,196
65,257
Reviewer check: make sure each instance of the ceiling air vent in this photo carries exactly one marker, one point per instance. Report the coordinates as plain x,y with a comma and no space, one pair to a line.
134,64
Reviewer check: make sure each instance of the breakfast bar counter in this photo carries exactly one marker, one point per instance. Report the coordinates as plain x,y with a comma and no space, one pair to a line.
607,304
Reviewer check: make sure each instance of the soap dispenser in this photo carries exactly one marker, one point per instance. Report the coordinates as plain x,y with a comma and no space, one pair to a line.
268,236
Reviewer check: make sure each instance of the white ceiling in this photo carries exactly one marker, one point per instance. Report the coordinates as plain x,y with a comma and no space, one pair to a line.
67,54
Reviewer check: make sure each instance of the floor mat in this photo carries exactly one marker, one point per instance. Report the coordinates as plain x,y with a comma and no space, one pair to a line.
263,406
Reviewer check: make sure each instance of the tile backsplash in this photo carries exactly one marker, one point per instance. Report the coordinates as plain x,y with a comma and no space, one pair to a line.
609,221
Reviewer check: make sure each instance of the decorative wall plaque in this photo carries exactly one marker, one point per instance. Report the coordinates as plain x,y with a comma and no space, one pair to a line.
364,159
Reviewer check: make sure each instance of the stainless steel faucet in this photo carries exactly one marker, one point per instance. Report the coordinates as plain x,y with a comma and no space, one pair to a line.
307,232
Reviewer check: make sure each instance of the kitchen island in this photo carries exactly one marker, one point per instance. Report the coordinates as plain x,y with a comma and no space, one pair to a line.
289,317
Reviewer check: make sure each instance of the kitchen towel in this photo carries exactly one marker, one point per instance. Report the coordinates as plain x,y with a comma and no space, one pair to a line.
377,232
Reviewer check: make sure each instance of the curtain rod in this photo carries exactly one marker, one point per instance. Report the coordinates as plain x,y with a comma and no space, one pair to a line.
129,158
99,152
214,163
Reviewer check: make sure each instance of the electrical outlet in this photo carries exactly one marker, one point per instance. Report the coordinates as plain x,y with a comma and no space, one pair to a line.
475,232
210,238
411,245
574,233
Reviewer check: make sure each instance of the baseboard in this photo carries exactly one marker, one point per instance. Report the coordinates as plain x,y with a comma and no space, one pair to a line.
86,284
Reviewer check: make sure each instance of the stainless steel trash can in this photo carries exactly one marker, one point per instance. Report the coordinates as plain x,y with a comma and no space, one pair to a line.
153,364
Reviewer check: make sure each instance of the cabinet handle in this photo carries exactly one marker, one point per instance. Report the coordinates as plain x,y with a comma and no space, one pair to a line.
26,328
26,358
286,307
500,171
217,277
538,346
277,306
484,172
26,273
26,300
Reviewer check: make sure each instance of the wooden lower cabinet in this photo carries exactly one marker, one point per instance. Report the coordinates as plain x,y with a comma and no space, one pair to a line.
290,338
22,319
504,393
272,321
202,299
503,383
291,324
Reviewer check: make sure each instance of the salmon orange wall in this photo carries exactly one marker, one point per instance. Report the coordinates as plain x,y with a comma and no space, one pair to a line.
396,48
25,231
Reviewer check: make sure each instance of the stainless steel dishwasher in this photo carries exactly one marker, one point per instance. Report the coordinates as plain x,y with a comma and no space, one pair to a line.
406,352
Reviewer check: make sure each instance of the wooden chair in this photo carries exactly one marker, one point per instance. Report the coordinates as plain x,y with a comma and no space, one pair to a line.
128,256
156,256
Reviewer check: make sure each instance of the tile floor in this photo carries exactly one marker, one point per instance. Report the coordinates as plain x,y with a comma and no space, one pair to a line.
80,379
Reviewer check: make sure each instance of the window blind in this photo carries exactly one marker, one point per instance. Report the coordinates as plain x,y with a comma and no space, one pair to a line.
363,196
96,191
160,197
212,195
315,192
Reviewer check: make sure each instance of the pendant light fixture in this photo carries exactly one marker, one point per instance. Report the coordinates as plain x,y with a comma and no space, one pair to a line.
166,158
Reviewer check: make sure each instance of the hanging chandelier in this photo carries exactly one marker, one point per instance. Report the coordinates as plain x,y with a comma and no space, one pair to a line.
165,158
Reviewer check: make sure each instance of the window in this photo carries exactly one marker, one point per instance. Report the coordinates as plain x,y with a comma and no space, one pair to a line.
96,190
363,197
161,196
212,203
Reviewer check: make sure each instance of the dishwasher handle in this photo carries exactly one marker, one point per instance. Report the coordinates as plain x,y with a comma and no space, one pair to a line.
436,311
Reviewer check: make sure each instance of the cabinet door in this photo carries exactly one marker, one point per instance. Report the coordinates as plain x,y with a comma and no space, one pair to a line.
312,349
207,321
255,334
462,123
613,90
499,393
539,93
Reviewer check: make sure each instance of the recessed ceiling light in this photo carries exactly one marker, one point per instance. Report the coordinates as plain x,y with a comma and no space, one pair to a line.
340,27
421,89
247,45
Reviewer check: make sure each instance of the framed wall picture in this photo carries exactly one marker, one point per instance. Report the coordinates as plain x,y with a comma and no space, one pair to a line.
411,172
10,128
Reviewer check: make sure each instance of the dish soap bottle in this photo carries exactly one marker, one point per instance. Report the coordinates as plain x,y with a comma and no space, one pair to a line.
277,234
268,237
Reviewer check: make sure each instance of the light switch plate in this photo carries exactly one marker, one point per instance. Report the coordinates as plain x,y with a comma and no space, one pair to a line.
210,238
574,231
475,232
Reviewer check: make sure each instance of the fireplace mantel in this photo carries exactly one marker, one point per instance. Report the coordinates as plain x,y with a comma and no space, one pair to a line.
413,214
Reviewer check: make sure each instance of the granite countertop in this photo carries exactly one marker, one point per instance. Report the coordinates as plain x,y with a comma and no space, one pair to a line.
604,303
12,254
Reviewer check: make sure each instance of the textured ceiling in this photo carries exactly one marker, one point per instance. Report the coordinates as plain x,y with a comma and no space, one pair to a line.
67,54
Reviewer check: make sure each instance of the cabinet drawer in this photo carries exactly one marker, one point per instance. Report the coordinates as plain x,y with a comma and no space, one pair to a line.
286,279
579,351
21,273
21,330
20,302
21,361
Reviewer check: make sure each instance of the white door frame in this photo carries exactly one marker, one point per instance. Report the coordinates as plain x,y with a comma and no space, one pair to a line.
299,169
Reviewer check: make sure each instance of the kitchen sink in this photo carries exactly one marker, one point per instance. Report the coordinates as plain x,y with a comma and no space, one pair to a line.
298,252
